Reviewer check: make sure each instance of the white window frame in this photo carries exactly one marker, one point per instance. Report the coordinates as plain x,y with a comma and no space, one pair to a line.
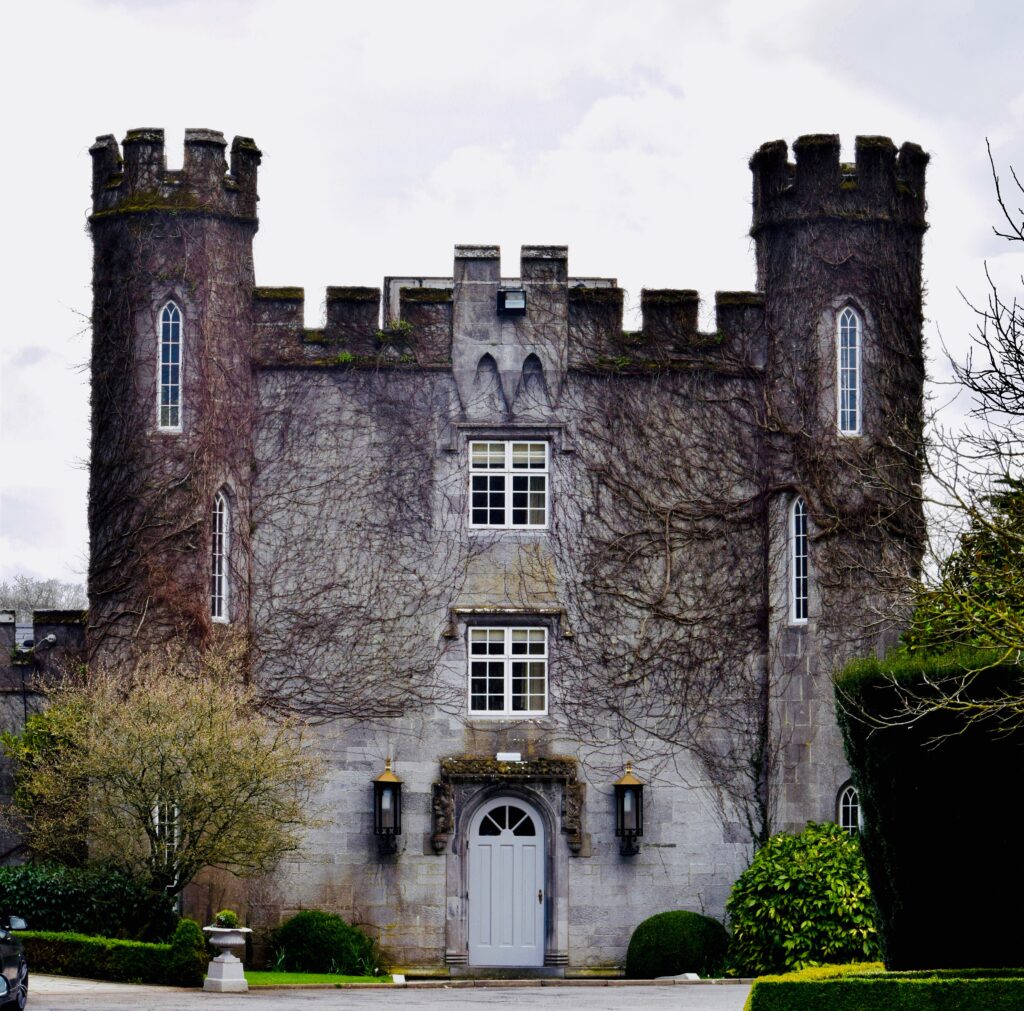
509,473
848,804
220,558
167,829
848,372
506,637
171,316
799,576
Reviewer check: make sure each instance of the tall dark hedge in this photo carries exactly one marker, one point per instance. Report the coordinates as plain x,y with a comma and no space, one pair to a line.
86,900
940,797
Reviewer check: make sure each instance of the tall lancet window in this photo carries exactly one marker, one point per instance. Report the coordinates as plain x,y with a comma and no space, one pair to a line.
219,559
799,563
848,365
169,394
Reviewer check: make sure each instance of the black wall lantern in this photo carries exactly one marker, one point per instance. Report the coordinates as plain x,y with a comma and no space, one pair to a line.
387,810
629,812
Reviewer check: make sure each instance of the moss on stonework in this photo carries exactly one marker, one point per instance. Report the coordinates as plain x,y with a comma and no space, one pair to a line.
480,767
881,142
425,294
668,296
346,358
346,294
399,328
314,337
279,294
751,298
154,200
596,296
54,616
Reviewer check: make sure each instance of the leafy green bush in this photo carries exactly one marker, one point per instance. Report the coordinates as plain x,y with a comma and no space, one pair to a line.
188,957
674,942
86,900
934,745
226,918
803,901
868,988
179,963
315,941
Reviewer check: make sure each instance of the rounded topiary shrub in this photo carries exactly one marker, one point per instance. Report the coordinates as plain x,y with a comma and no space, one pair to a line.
803,901
315,941
668,944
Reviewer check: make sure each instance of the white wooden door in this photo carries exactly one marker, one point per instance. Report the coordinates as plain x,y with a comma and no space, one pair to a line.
507,891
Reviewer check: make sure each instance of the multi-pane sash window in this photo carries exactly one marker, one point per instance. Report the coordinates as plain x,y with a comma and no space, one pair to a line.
849,809
849,372
508,484
169,403
166,831
799,563
219,559
508,671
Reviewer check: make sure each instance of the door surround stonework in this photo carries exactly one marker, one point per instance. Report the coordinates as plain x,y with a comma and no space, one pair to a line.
552,787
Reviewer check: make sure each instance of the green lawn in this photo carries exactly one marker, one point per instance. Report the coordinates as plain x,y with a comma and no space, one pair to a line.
271,978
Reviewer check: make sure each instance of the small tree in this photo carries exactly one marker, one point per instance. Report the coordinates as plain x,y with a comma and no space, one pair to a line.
25,594
163,772
979,599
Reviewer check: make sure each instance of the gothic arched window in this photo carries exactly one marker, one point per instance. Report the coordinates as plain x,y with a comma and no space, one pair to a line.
799,563
219,558
848,368
169,393
848,809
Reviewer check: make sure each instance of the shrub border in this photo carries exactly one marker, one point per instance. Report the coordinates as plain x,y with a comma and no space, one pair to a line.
91,957
866,986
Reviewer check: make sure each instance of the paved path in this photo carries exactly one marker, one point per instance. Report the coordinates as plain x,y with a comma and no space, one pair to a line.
55,993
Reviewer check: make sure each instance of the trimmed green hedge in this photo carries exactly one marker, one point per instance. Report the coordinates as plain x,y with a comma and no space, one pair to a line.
936,793
86,900
868,987
181,963
677,941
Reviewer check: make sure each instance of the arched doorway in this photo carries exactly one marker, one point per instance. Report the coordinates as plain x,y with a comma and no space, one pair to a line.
507,889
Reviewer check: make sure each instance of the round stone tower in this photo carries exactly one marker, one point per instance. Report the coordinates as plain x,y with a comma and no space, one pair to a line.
172,390
839,262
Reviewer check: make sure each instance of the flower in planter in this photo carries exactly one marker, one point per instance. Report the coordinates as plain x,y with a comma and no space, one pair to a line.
226,918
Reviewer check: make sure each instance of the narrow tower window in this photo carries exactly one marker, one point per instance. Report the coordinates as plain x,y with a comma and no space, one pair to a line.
798,563
849,372
849,809
169,400
219,559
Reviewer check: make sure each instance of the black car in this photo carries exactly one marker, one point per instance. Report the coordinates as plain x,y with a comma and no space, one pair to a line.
14,980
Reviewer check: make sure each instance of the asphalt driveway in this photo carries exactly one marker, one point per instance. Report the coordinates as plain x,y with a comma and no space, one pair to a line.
55,993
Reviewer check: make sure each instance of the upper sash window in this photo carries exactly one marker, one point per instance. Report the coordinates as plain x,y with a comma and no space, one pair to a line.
508,484
849,369
169,393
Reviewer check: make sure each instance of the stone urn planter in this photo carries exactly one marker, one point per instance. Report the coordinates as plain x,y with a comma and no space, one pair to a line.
226,974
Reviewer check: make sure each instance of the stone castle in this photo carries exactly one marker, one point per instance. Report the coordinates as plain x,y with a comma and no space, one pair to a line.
473,526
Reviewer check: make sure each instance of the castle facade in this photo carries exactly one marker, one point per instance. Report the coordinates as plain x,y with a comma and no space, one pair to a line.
562,600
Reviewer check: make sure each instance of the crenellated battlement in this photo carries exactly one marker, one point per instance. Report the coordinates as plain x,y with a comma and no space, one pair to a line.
134,179
425,318
881,185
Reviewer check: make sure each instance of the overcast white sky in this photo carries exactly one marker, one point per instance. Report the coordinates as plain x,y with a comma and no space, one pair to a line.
392,131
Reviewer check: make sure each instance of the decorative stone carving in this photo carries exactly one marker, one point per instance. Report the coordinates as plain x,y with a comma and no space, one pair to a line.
479,769
443,807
